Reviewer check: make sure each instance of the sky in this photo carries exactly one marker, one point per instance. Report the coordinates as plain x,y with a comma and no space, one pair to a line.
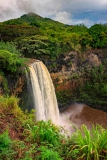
69,12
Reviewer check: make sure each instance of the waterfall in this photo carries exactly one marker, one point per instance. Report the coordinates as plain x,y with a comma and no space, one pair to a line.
41,90
45,102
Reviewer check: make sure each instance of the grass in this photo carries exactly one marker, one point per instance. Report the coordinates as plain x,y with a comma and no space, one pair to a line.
23,138
91,143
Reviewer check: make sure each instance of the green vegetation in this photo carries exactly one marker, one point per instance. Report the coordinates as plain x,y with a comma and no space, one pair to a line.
24,138
4,83
99,35
41,37
9,46
94,89
91,143
10,59
21,137
6,146
90,88
64,97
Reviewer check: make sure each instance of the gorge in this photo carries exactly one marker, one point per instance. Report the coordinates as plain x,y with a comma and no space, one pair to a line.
45,103
76,58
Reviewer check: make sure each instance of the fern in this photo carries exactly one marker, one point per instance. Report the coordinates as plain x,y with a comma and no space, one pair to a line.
48,154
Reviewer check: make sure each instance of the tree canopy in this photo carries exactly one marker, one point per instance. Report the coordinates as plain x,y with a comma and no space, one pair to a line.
35,35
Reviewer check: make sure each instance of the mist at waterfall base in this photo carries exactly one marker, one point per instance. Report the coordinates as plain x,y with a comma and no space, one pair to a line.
45,102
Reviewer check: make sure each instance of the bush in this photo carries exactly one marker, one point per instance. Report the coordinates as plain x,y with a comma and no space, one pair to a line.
48,154
6,151
9,105
45,132
9,46
9,61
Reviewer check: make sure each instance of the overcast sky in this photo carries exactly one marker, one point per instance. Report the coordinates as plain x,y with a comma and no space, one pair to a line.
65,11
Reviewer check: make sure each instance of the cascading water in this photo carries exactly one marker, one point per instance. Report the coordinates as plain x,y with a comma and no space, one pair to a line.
45,101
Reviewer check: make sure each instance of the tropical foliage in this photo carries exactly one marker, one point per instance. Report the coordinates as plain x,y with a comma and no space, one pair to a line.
42,38
90,88
21,137
33,34
10,59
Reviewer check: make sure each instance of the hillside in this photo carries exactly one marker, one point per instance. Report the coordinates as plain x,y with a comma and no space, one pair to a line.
76,57
31,19
73,54
38,37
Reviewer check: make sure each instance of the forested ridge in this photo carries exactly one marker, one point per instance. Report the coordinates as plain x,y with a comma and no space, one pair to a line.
32,36
38,37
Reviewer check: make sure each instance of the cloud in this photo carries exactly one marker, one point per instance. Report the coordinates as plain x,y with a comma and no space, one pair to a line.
74,5
15,8
67,18
65,11
63,17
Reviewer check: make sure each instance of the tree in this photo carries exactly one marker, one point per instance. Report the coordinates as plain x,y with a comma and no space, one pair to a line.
99,35
33,46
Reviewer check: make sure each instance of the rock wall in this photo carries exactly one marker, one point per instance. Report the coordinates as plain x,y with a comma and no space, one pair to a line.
66,72
74,64
69,71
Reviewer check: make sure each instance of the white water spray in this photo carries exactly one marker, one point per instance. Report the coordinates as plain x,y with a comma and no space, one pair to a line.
45,101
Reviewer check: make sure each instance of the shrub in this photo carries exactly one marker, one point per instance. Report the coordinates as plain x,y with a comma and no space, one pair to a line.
45,132
6,151
9,46
9,61
48,154
9,105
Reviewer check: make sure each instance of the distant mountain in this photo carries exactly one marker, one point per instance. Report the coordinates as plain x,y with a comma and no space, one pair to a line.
32,19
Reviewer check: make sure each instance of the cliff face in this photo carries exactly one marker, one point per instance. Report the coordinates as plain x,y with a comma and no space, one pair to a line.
73,71
74,64
68,73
